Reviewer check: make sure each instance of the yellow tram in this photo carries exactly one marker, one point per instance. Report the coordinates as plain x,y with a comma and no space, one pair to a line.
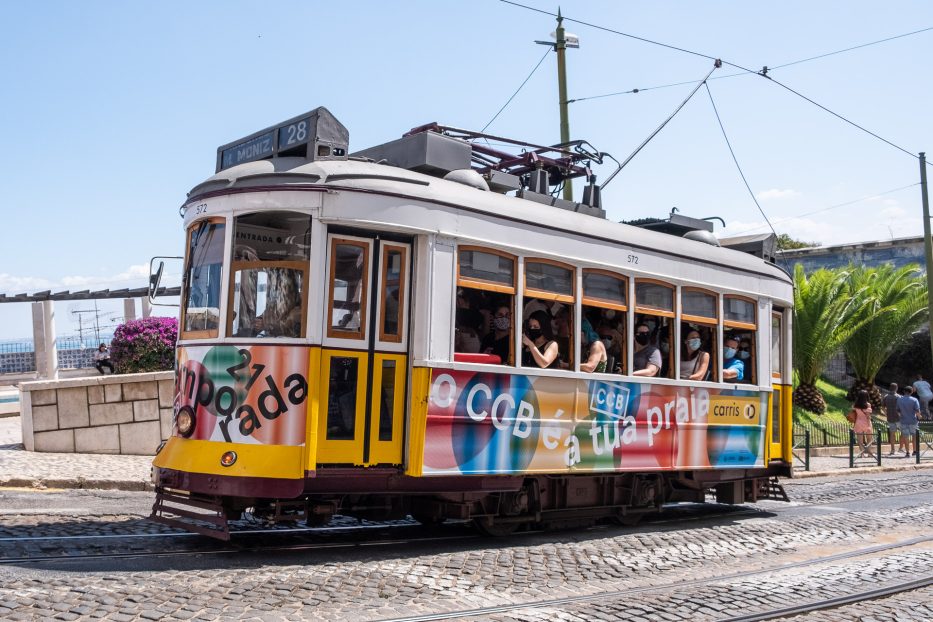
365,334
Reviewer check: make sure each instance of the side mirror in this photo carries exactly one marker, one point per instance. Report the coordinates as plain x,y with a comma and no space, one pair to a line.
155,281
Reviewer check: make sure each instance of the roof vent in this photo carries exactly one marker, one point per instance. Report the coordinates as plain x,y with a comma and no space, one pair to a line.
467,177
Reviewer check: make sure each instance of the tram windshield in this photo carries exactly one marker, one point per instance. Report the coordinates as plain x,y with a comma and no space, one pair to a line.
269,272
202,281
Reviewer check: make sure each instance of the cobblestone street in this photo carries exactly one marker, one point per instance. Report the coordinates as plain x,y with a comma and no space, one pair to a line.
709,564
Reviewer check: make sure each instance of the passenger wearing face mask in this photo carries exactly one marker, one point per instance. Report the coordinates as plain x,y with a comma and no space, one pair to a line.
647,358
497,341
540,349
694,362
732,367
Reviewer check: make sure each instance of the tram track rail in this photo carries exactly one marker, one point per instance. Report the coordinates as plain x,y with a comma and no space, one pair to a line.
483,612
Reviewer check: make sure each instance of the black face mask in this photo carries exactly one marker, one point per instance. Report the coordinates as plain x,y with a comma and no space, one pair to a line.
533,333
641,339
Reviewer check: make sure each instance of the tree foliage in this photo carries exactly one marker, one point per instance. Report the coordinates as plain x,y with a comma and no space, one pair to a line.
786,243
899,308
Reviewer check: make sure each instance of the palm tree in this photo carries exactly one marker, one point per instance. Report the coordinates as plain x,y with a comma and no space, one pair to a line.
900,308
827,311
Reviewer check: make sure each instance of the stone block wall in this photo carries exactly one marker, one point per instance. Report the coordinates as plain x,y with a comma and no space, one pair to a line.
113,414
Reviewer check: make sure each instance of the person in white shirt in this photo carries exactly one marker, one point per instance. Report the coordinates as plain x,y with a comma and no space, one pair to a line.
102,359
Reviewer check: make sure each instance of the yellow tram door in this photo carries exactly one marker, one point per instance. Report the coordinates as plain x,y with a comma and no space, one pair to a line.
364,361
780,412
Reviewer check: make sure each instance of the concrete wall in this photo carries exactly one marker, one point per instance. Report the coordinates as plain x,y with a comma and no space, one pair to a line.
113,414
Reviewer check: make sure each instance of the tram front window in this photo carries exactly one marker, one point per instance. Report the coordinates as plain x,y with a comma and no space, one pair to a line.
202,280
269,272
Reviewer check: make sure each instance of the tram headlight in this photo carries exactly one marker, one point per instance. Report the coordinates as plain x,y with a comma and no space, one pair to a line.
228,458
185,420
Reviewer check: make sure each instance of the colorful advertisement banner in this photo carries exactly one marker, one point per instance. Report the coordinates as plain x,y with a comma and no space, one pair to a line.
244,393
491,423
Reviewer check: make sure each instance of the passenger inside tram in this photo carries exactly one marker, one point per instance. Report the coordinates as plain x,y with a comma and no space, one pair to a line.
596,357
733,368
610,326
746,355
498,341
539,347
646,360
694,355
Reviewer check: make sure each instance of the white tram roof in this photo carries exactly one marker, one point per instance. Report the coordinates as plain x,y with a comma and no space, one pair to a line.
390,180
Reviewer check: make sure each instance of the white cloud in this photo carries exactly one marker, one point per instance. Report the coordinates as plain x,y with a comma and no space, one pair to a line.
774,193
133,276
893,212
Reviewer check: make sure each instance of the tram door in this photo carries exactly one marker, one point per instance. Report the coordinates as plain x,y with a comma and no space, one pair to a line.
364,360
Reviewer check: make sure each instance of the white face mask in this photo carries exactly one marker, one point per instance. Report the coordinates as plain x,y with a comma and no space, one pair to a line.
744,354
728,352
693,344
501,323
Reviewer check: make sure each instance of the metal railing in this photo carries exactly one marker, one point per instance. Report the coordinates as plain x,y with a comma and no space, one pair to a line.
832,434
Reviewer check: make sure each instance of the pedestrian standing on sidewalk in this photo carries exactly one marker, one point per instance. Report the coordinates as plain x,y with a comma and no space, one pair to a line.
862,423
924,394
909,409
890,411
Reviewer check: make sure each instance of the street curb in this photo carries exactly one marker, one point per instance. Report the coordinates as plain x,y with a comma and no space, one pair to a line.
78,483
862,470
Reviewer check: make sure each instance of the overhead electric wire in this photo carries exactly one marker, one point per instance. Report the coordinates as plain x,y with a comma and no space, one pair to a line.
734,159
520,87
836,206
716,65
761,73
744,73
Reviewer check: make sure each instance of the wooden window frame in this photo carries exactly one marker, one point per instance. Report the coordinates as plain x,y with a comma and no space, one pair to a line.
700,319
388,247
780,317
301,266
645,310
198,334
491,286
364,293
742,325
543,294
592,301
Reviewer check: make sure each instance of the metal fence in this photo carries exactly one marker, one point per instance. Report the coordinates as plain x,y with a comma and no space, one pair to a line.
831,434
18,356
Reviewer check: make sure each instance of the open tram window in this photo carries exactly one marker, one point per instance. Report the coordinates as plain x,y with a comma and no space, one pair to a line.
349,271
699,313
740,324
485,307
201,308
271,251
605,313
654,308
547,314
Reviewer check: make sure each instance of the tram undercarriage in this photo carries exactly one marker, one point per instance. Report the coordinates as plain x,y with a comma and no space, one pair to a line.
497,506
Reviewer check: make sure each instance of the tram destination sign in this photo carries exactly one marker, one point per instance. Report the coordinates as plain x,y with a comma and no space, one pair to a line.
313,135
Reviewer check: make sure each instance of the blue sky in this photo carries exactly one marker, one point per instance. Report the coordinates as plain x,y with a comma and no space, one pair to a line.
112,111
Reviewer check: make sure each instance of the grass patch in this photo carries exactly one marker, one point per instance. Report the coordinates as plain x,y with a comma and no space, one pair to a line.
836,406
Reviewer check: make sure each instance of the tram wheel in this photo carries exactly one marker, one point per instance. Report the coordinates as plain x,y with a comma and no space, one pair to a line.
489,527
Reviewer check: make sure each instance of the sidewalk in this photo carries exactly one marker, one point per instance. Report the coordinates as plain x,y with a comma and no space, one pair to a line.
26,469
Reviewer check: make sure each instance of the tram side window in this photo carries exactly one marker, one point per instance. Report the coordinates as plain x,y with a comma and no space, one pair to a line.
547,315
202,280
654,317
739,340
349,276
698,332
605,318
271,251
485,307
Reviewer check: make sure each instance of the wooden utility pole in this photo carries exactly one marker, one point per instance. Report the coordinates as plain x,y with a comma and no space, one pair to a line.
927,242
561,47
